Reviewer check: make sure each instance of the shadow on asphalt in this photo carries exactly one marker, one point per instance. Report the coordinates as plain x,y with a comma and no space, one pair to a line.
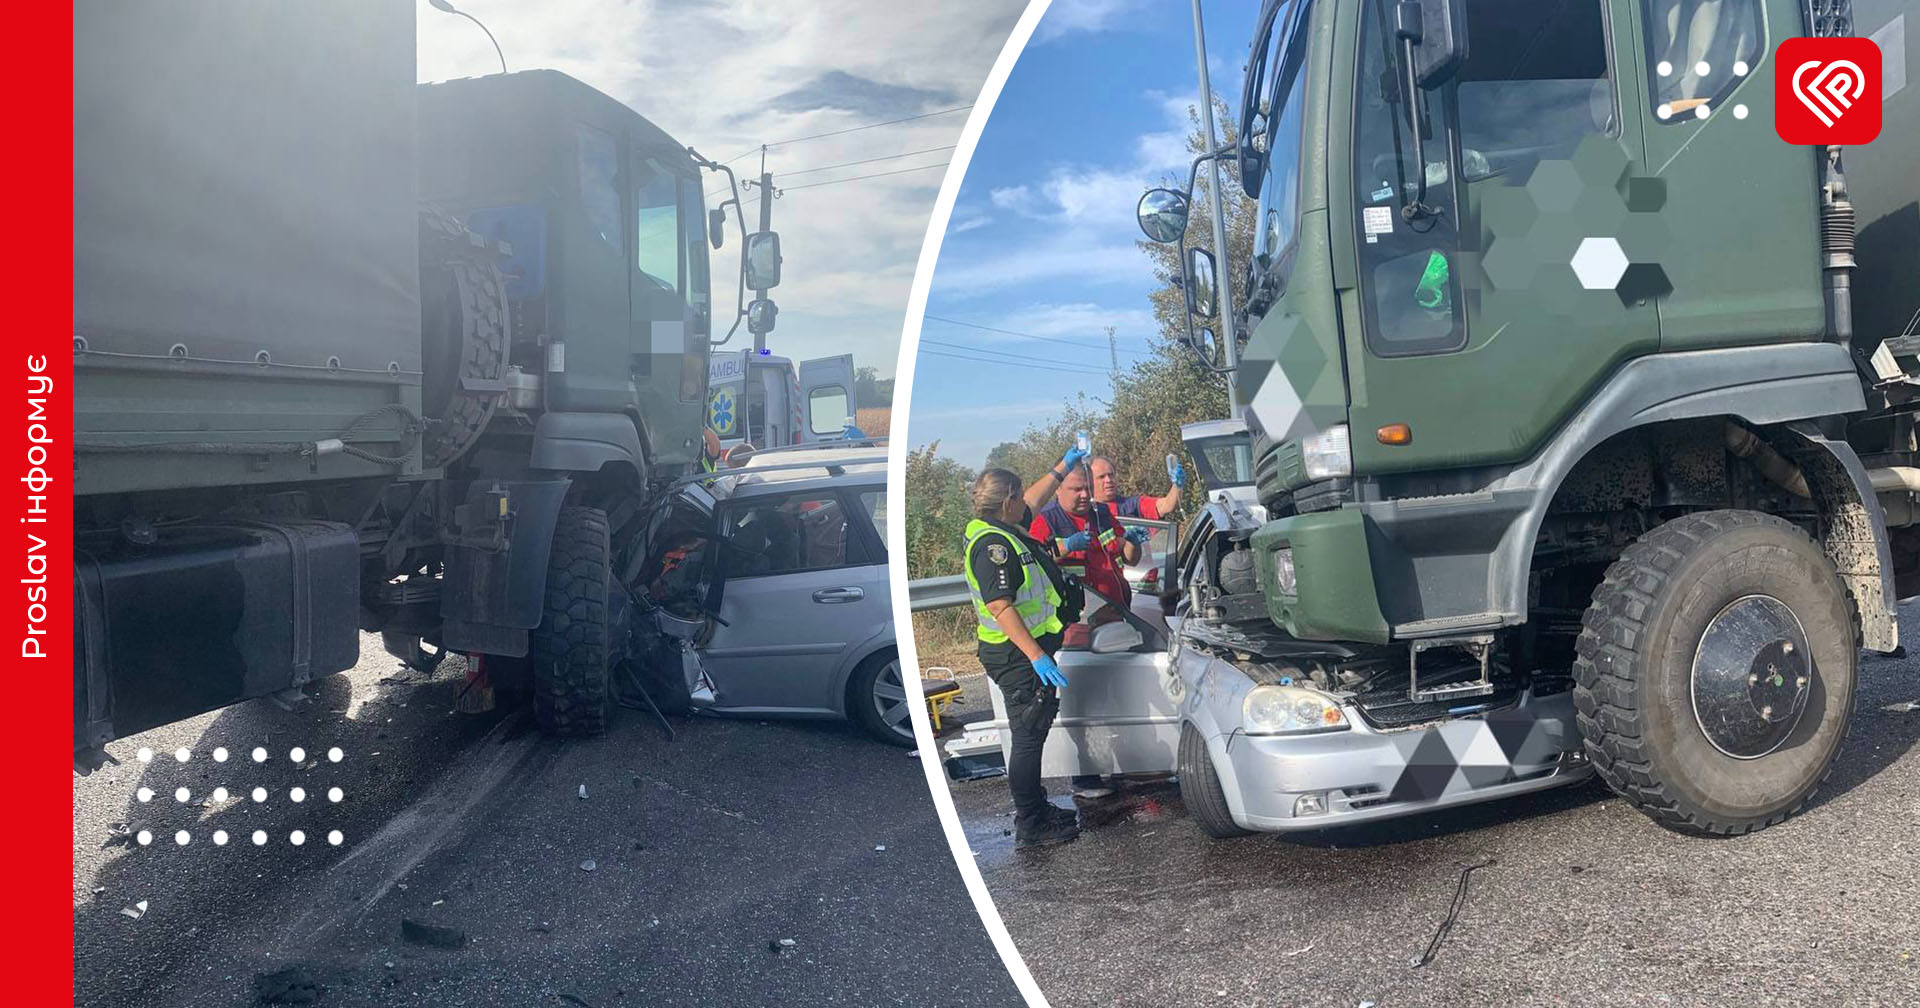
194,890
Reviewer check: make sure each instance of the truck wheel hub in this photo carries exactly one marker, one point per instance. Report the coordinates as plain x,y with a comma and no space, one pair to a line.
1751,677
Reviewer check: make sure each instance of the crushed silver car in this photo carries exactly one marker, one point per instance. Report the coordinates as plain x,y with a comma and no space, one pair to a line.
766,591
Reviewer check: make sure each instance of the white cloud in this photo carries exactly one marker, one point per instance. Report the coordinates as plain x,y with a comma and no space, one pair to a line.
1018,198
731,76
1067,17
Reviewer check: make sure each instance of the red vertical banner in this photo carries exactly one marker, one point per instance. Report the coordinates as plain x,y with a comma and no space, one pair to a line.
38,364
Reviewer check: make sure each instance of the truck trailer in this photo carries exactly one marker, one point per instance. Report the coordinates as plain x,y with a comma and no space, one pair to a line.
353,353
1577,417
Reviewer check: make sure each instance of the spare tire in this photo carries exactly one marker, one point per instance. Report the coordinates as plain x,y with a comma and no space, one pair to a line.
463,332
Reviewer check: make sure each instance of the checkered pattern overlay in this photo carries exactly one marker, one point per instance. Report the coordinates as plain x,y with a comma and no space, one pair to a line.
1461,756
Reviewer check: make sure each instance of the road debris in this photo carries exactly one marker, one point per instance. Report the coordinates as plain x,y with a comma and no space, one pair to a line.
779,945
1308,947
1453,914
1904,707
583,791
434,935
588,865
574,999
136,911
880,847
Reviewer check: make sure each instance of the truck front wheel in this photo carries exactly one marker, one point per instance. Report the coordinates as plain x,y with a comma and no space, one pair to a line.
1715,672
572,649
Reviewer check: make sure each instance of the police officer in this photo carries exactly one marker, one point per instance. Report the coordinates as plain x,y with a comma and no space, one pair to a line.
1019,595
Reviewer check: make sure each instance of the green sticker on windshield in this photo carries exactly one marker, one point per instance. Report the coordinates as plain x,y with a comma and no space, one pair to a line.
1431,291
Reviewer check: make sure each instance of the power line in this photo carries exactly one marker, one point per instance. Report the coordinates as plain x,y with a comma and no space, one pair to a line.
856,129
984,360
856,178
849,164
1031,336
850,129
1008,354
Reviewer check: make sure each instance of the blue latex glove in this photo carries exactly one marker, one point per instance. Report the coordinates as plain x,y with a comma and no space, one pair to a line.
1078,541
1176,471
1137,535
1072,458
1048,672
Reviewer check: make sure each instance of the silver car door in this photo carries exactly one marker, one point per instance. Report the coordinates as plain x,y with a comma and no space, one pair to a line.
802,588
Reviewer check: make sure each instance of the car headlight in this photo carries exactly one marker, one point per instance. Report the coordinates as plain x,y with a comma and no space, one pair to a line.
1328,453
1271,709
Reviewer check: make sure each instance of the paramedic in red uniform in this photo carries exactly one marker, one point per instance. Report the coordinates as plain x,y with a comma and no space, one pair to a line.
1087,539
1106,490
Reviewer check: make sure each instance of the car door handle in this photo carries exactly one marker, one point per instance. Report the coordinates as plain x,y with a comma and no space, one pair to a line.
832,595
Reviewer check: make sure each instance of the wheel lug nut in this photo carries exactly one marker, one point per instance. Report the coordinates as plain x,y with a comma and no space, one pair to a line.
1801,682
1753,678
1786,647
1766,711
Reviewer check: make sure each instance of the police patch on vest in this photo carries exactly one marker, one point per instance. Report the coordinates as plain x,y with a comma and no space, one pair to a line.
997,553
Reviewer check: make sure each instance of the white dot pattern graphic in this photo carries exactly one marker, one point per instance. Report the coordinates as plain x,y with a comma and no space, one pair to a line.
184,794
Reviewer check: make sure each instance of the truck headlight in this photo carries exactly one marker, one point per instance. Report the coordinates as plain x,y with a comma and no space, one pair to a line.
1328,453
1283,571
1271,709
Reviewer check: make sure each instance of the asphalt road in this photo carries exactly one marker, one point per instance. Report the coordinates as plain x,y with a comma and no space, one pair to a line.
1586,902
704,850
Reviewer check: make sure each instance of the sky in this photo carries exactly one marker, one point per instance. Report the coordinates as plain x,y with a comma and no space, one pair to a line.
726,77
1042,240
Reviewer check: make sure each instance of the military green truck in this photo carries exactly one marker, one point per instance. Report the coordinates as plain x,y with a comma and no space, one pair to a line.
357,354
1563,378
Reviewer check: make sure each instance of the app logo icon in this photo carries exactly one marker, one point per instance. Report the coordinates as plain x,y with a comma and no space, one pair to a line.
1827,91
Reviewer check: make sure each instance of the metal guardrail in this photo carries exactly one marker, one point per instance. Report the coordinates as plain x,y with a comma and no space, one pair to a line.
938,593
948,592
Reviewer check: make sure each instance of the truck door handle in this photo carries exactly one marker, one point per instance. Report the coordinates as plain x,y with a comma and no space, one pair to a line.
833,595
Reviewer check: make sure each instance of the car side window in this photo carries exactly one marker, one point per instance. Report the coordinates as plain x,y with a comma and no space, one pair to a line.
785,535
874,503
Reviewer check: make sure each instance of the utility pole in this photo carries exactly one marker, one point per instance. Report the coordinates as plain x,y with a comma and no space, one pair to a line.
1230,354
766,224
1113,353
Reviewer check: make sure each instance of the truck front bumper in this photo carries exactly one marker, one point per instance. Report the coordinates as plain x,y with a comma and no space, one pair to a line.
1363,774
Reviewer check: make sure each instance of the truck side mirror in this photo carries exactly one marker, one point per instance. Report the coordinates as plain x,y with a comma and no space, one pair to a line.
1206,346
1163,215
1438,31
761,315
1198,280
716,227
763,261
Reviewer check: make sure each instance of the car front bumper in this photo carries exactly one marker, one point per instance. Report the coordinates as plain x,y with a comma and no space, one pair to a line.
1364,774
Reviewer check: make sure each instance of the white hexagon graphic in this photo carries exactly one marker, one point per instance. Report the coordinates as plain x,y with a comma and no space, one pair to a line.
1599,263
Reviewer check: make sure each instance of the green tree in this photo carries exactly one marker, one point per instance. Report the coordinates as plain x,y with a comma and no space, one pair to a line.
871,390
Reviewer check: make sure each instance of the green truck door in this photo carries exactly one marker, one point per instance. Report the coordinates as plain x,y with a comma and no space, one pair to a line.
1483,342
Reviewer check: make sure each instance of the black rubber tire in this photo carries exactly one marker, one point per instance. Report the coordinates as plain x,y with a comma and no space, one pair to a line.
572,649
1200,788
1633,671
860,705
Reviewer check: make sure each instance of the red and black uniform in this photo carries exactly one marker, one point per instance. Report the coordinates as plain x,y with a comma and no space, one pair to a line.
1138,506
1099,566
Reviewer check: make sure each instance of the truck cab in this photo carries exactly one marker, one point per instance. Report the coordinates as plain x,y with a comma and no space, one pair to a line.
602,222
1555,399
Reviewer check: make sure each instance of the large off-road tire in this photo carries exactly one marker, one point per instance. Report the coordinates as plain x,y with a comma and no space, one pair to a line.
878,702
573,648
1729,619
1200,788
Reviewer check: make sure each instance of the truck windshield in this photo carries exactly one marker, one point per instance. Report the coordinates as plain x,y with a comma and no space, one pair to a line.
1276,83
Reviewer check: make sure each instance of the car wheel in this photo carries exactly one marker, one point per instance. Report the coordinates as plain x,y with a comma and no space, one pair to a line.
1715,672
877,698
1200,788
